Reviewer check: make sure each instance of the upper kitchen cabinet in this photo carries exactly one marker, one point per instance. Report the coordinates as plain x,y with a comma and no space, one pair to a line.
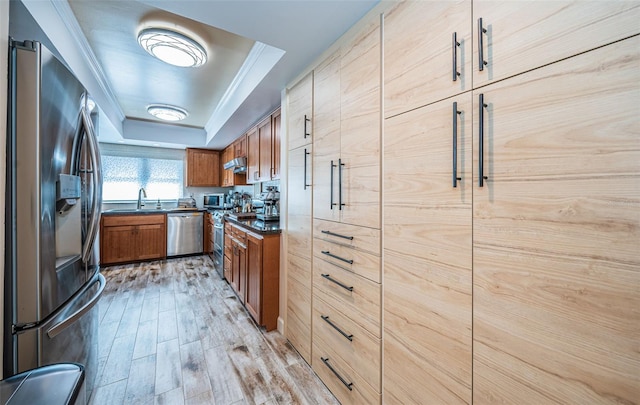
240,147
203,168
276,123
263,164
427,53
229,178
300,113
347,132
513,37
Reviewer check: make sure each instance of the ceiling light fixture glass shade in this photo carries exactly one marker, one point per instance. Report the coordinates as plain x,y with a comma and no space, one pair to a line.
167,112
172,47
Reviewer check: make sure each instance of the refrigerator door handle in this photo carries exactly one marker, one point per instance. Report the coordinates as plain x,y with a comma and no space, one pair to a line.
59,327
96,173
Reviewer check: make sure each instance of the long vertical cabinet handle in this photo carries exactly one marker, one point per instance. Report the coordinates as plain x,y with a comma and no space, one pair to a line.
481,32
454,56
455,144
340,166
305,168
331,186
306,119
481,107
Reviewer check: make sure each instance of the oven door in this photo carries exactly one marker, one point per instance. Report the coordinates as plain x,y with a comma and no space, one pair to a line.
218,247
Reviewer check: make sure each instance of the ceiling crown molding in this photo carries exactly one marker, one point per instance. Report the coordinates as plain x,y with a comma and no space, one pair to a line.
68,17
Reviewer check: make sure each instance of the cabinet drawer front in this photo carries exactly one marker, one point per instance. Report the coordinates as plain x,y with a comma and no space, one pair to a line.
359,394
358,237
361,302
118,220
365,264
352,343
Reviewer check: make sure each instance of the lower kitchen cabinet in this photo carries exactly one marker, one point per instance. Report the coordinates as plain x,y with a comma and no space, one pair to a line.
254,272
263,275
208,234
129,238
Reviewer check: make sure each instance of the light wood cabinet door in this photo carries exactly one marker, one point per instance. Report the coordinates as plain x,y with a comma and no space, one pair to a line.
428,254
299,194
300,113
253,297
253,156
203,168
298,321
523,35
427,53
326,143
360,125
275,145
556,231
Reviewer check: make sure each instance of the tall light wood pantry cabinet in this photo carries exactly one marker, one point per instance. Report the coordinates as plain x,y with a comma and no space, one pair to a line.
346,301
299,197
514,280
492,258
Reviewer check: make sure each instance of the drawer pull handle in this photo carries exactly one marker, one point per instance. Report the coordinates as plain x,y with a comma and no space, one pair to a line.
326,252
342,380
337,234
346,287
334,326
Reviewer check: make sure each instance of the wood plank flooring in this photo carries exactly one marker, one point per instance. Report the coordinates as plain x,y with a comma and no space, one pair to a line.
173,332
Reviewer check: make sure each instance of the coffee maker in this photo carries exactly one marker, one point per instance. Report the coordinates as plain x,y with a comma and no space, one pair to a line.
271,204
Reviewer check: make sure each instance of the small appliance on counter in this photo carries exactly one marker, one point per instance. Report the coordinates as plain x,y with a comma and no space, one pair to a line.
214,201
187,202
270,200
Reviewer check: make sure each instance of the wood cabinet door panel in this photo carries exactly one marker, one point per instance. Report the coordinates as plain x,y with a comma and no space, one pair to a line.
241,281
555,233
428,255
253,156
117,244
275,146
298,321
524,35
418,53
203,168
151,241
253,297
299,202
265,136
326,145
300,113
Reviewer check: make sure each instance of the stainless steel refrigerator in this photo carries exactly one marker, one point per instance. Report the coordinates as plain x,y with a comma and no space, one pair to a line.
54,193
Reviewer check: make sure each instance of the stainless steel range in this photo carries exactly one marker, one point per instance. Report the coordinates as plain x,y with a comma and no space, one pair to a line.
218,241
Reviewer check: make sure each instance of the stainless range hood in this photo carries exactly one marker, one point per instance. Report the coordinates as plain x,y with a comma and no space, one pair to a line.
238,165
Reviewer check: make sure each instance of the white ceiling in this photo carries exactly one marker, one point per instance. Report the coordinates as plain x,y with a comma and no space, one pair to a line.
256,47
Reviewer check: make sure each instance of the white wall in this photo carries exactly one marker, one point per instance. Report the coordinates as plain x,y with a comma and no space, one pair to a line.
4,64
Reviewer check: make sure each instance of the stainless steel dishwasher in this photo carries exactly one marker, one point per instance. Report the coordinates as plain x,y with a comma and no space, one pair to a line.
184,233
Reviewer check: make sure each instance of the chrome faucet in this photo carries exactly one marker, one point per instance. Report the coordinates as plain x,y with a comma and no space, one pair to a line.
141,193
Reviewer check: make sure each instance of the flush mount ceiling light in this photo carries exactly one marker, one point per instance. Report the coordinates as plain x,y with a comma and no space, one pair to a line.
172,47
167,112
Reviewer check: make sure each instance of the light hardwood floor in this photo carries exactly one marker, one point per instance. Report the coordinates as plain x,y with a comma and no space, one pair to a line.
173,332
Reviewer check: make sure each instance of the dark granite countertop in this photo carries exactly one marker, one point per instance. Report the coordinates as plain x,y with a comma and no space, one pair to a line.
257,225
149,211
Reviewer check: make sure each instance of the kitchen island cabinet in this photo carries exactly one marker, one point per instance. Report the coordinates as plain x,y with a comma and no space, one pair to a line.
129,238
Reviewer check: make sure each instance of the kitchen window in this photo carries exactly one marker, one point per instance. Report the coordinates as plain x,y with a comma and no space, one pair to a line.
128,168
